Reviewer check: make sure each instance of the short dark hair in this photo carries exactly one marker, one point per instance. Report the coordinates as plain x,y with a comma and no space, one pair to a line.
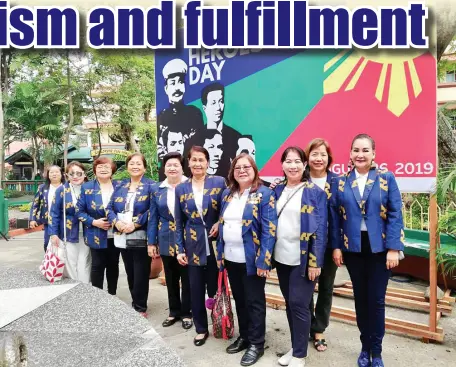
210,133
170,76
103,160
76,164
233,184
211,88
199,149
166,133
173,155
302,156
137,154
317,143
363,136
48,180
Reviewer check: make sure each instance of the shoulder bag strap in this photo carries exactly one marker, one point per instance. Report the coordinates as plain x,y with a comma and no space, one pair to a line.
64,217
289,198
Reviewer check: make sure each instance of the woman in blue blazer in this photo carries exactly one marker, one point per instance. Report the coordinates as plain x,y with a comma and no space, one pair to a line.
128,212
248,223
92,204
78,259
366,224
40,209
197,213
161,234
319,156
300,248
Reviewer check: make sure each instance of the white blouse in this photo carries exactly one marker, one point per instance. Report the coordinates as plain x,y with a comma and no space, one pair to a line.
198,194
288,247
362,180
106,197
232,228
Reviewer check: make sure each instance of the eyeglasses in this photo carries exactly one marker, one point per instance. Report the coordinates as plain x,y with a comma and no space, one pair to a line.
105,166
76,174
245,168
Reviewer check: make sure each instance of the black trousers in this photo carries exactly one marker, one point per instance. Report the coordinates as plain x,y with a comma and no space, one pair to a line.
250,299
297,291
202,277
320,313
369,276
137,266
174,272
105,259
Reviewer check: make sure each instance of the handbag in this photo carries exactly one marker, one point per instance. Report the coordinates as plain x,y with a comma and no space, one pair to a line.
53,264
222,313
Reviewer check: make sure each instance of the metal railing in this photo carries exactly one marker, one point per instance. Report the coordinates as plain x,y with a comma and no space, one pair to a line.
416,215
25,186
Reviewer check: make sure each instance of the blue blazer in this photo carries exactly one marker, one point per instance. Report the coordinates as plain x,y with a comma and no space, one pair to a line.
259,228
55,220
314,225
141,205
380,206
89,208
190,230
40,206
161,229
324,204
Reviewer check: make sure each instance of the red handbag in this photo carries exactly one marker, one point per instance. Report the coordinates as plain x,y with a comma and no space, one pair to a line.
222,313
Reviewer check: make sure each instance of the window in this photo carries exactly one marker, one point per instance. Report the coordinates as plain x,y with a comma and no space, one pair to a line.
450,77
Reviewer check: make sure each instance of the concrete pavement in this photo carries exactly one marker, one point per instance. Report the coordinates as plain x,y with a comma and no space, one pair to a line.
26,252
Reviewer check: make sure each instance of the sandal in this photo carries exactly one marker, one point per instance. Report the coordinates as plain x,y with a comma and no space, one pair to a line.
320,343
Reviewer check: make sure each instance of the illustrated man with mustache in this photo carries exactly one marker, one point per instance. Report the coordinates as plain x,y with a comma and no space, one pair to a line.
178,117
213,100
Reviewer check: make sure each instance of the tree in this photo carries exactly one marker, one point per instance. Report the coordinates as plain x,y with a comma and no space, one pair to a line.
35,113
127,88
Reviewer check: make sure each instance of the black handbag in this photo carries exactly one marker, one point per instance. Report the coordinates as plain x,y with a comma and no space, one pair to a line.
135,243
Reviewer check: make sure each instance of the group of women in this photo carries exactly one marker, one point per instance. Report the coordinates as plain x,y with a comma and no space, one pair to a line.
305,226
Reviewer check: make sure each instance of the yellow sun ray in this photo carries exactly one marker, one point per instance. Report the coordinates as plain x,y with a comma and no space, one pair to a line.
398,99
397,94
381,83
334,60
338,77
357,75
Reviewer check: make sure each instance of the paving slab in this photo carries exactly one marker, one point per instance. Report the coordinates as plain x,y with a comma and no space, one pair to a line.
16,303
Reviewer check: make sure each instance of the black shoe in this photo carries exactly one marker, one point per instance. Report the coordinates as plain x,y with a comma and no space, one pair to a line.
200,342
187,324
239,345
252,355
169,322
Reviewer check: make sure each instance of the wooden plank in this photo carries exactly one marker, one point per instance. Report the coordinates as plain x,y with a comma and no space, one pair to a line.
414,300
401,326
399,301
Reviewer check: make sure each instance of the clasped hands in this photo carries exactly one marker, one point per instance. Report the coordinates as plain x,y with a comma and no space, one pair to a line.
123,227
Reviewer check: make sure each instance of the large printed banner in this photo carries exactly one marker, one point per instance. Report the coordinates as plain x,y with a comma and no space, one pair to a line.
261,101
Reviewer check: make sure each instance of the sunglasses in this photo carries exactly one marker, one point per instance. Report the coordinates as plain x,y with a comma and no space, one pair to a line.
76,174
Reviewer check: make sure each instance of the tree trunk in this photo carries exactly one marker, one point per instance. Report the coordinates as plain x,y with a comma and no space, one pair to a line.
445,18
446,141
98,125
34,156
71,117
133,144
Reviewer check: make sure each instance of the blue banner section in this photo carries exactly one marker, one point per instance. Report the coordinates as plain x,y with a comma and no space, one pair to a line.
204,67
